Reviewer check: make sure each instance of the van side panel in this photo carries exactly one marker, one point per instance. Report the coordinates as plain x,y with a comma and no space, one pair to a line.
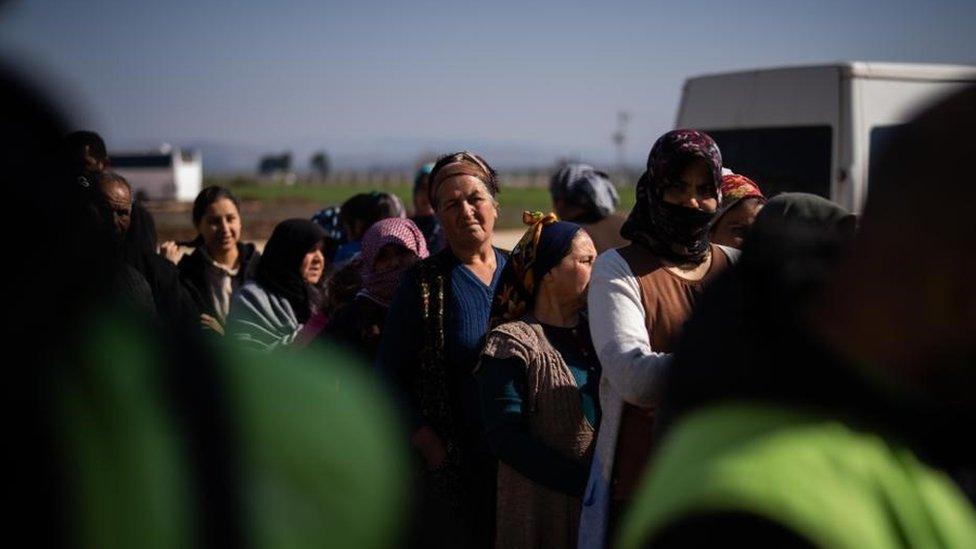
881,104
775,98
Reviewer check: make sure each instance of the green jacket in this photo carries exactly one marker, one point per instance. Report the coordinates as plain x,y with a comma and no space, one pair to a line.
817,476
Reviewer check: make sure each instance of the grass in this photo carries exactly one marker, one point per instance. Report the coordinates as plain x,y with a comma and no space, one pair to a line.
512,201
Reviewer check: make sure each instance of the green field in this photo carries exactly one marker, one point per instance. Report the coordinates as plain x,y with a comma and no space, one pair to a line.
512,200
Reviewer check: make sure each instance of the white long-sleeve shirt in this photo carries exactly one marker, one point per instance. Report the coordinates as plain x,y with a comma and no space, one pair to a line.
631,373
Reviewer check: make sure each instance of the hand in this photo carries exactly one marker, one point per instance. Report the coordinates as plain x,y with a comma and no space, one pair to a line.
430,446
171,251
211,323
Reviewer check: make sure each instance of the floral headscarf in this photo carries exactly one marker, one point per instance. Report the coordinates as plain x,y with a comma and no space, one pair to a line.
381,285
672,232
735,189
542,247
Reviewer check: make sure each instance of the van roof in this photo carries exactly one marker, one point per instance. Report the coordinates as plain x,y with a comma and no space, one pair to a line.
873,69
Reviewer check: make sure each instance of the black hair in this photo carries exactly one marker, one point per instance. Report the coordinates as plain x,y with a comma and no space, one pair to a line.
203,201
369,208
207,197
77,144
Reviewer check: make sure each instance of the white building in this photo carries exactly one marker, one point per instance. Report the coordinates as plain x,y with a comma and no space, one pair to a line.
166,174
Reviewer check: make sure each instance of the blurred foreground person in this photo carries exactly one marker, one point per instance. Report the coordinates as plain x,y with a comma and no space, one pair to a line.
539,380
390,248
741,202
172,299
112,200
132,438
267,313
834,408
582,194
220,263
434,334
423,212
85,153
640,297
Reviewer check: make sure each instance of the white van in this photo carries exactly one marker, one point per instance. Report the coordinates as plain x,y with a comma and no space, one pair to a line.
813,129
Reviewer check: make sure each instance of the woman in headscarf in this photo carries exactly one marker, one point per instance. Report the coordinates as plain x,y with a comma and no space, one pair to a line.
640,296
358,214
582,194
435,330
423,212
741,201
538,378
390,247
220,263
267,313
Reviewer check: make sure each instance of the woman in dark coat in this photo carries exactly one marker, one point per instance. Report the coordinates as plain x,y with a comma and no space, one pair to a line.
220,262
435,330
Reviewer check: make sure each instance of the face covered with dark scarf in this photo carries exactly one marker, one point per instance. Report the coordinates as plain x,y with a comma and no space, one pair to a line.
672,215
280,267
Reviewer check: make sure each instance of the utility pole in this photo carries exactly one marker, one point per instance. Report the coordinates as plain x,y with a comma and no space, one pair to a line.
619,138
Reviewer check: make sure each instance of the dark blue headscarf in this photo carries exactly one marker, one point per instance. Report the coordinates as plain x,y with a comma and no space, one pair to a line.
542,247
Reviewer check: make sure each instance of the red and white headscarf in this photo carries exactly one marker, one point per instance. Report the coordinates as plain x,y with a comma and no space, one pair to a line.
381,285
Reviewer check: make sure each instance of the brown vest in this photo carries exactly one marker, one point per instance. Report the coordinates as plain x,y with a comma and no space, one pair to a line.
668,301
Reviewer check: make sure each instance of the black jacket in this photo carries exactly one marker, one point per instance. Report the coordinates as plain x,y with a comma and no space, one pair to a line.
193,273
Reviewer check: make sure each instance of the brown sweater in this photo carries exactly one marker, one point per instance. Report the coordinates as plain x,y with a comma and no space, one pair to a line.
528,513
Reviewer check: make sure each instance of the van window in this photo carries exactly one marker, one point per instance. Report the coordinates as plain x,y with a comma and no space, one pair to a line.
795,159
881,137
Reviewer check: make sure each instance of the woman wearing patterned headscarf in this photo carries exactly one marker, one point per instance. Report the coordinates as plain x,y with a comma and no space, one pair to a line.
641,295
741,202
390,247
435,330
582,194
538,379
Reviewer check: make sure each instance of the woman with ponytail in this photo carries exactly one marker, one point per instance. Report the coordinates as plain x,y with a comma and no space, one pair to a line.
220,263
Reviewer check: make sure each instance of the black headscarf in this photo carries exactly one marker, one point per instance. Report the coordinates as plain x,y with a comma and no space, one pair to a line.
279,269
674,233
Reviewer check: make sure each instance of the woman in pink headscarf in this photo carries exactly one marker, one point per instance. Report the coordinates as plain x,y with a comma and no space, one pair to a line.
389,248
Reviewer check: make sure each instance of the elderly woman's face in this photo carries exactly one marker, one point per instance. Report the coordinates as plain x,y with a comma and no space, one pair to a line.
693,188
466,210
570,278
313,265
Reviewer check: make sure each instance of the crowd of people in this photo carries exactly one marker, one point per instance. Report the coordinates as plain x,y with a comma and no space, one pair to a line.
714,366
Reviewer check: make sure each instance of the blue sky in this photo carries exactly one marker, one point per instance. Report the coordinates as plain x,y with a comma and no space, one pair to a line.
385,81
